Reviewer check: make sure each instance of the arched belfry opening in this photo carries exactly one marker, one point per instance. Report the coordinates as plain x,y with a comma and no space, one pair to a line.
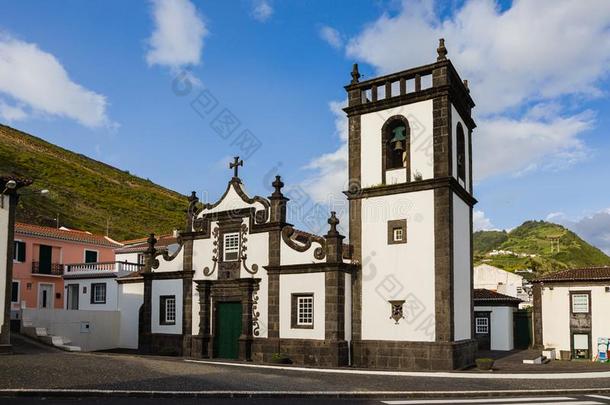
461,152
396,142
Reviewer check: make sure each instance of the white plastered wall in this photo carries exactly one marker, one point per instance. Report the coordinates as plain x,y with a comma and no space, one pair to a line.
455,118
348,307
501,326
84,293
556,315
176,264
290,256
398,271
127,257
131,298
4,220
166,287
419,116
302,283
461,269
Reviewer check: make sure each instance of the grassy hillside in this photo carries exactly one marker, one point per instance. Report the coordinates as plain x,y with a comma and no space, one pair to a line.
538,245
86,194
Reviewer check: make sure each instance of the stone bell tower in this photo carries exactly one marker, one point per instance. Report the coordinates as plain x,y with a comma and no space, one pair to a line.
410,199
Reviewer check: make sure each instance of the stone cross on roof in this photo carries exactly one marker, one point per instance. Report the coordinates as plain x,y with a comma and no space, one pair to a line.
235,165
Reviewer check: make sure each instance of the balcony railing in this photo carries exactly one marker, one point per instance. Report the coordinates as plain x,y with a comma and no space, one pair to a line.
112,267
55,269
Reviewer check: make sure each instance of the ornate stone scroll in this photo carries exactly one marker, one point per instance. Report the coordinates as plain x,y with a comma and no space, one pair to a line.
206,270
242,249
289,238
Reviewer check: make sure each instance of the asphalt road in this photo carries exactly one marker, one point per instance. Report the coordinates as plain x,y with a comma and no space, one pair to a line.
538,400
35,366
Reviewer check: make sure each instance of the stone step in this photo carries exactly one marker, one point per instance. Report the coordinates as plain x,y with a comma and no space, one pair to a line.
69,348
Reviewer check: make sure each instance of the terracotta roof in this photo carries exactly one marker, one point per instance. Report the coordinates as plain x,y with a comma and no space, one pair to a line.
484,295
64,234
582,274
140,245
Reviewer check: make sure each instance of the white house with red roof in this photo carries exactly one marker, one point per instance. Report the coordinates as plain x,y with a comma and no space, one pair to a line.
571,310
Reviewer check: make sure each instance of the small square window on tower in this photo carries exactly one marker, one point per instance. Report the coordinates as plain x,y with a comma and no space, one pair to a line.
397,231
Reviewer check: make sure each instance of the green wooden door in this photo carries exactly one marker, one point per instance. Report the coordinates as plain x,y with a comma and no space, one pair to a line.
228,329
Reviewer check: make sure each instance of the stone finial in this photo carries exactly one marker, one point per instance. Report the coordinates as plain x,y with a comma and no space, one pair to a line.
441,50
333,221
355,74
151,241
277,185
466,85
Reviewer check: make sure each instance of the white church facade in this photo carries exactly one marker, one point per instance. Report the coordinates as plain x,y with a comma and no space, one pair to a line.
243,283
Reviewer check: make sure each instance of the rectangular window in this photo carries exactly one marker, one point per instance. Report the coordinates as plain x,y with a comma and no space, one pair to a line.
167,313
98,293
231,246
15,292
90,256
141,258
305,310
580,303
397,231
19,251
482,325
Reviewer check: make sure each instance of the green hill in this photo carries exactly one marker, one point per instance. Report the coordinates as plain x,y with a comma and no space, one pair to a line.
539,245
86,194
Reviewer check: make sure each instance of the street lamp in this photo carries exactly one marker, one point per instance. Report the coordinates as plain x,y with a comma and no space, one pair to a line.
10,185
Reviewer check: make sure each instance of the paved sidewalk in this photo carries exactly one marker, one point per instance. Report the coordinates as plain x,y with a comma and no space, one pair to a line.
38,367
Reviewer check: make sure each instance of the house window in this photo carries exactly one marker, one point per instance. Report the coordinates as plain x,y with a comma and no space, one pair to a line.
15,292
90,256
580,303
580,344
167,310
461,153
19,251
231,246
482,325
302,311
397,231
141,258
98,293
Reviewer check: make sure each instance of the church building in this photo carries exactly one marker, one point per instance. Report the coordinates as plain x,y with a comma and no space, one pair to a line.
243,283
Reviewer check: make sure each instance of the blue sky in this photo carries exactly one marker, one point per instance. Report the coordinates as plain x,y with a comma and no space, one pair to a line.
99,78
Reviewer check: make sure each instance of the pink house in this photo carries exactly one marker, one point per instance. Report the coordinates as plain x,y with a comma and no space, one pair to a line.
40,254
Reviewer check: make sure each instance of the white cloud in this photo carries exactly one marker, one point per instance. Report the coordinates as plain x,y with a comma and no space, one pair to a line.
516,146
262,10
331,36
329,176
594,228
177,39
480,222
38,83
11,113
518,64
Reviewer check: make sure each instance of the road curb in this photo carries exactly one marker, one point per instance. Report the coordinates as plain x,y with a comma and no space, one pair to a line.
417,374
79,393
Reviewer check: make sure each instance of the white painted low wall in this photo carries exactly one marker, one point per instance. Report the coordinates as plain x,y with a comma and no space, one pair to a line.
102,334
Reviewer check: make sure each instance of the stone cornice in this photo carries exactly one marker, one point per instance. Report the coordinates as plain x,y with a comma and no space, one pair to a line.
312,268
421,185
168,275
